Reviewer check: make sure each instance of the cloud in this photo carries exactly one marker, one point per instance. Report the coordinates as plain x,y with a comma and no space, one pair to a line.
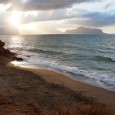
58,14
5,27
95,19
100,19
79,17
109,3
5,1
50,4
46,16
3,19
86,14
42,4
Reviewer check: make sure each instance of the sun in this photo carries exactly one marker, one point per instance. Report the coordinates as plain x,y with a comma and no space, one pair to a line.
15,19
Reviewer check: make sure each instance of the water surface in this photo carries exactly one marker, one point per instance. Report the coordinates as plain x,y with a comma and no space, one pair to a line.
91,56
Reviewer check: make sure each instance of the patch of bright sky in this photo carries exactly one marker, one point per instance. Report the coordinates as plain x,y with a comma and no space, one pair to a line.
3,7
111,6
97,6
24,1
109,29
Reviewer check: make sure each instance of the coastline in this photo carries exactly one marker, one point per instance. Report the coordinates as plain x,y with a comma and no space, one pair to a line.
100,94
32,91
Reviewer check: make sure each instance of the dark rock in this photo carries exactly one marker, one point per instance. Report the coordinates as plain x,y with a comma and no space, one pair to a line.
18,58
6,53
1,44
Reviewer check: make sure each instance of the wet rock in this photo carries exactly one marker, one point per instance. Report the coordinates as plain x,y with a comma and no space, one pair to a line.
18,58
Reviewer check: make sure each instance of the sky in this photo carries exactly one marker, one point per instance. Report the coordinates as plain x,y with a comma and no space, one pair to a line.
57,16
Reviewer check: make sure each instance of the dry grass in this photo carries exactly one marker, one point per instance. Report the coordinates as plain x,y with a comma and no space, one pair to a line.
91,109
81,109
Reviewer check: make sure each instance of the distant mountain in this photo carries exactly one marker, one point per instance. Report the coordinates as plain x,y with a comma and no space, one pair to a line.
8,30
82,30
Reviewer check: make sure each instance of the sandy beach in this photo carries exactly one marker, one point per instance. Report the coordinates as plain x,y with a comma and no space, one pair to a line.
24,90
100,94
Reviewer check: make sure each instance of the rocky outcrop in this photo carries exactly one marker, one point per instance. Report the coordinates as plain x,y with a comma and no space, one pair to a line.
18,58
5,52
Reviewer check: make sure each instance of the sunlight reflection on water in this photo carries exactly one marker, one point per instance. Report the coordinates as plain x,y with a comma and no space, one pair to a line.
16,41
24,64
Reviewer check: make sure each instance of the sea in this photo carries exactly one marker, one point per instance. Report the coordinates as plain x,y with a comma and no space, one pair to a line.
86,58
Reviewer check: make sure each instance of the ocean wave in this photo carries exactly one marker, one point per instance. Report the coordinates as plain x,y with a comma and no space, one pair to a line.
103,58
45,51
103,79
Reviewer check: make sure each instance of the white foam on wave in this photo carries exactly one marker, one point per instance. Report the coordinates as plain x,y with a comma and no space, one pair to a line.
103,80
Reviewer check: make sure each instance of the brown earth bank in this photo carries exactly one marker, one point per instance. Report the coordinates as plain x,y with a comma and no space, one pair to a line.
43,92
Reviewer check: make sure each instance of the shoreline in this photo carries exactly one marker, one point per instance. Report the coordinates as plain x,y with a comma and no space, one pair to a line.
40,91
100,94
74,76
